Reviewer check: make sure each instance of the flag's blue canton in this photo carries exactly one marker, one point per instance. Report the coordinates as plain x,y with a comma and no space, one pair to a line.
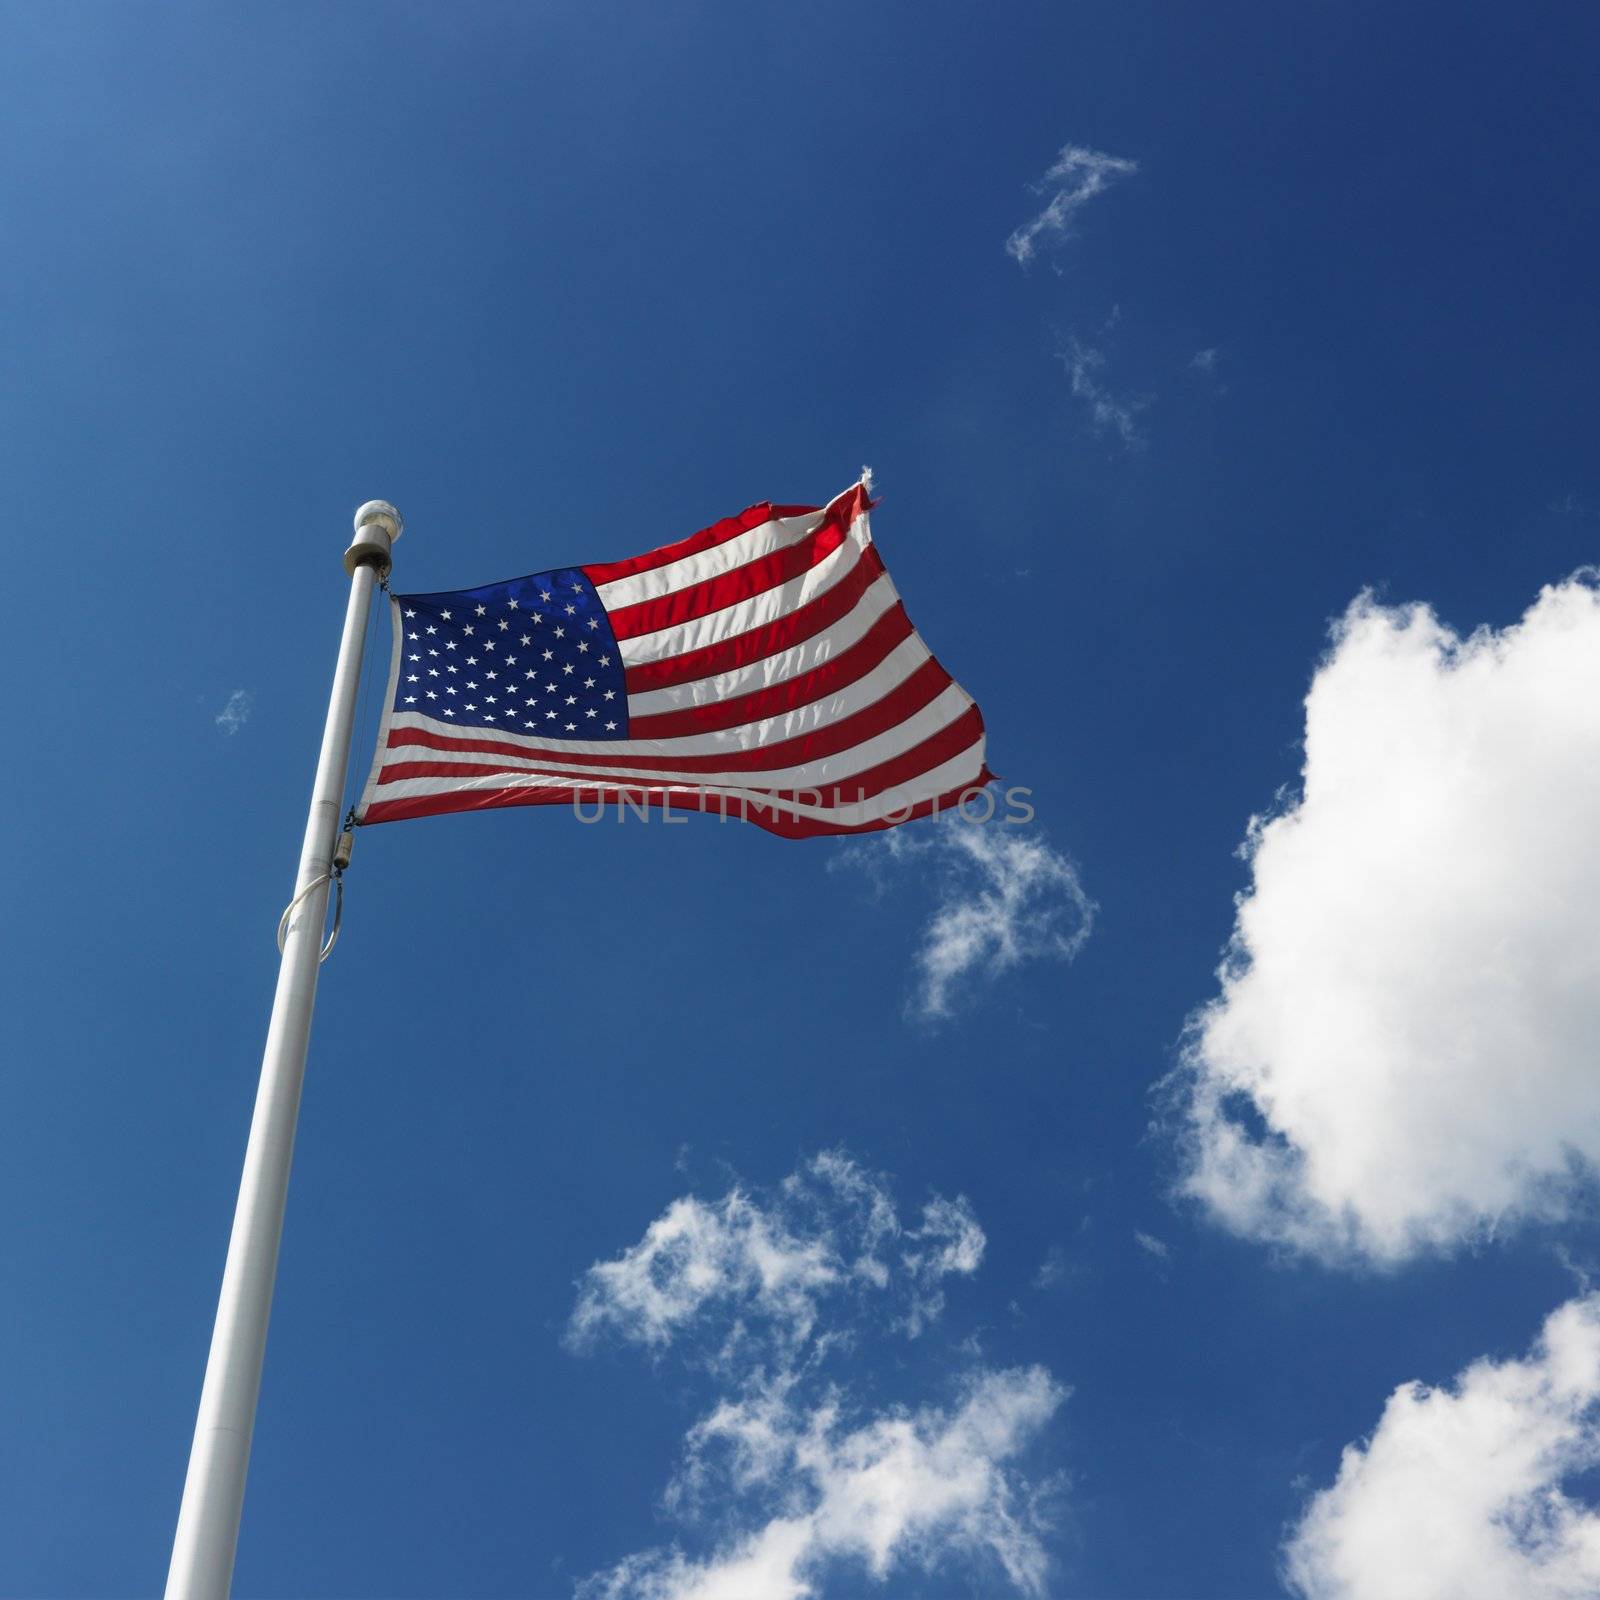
532,656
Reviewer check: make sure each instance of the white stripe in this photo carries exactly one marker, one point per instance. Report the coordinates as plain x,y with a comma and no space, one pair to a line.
821,772
759,609
962,768
684,573
850,629
889,673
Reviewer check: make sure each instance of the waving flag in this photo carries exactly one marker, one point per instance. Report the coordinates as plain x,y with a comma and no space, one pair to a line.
762,668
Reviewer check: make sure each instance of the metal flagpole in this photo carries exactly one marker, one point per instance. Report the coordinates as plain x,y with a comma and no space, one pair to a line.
213,1491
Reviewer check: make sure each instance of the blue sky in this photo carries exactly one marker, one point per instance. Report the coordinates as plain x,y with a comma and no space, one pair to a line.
565,282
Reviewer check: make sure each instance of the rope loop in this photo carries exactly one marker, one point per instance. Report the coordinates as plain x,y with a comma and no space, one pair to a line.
338,912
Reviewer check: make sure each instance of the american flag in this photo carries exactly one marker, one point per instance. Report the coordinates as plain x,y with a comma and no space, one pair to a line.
762,668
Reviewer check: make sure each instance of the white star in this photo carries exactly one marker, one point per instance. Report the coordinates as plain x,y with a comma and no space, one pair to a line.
411,613
610,726
570,726
511,605
594,622
449,644
411,677
572,611
433,652
492,699
549,655
411,636
451,667
511,661
449,688
561,633
572,699
588,683
583,645
550,688
414,658
605,661
611,694
471,707
532,672
527,638
445,615
491,674
549,714
488,644
504,624
433,672
544,594
472,661
483,611
471,684
569,668
411,699
431,628
488,716
432,695
590,712
447,711
467,628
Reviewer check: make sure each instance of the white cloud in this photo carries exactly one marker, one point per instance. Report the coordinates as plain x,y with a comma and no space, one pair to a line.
755,1268
233,716
786,1487
815,1488
1205,360
1151,1245
1077,176
1464,1493
1402,1053
1005,897
1085,366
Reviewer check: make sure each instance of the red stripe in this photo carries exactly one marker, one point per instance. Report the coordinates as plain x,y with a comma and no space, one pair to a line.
845,668
934,751
785,826
904,700
730,588
707,539
766,640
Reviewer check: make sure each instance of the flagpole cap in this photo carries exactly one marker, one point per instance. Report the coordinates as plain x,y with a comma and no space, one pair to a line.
378,524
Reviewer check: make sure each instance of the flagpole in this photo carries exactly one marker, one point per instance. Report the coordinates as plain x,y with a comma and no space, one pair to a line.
213,1492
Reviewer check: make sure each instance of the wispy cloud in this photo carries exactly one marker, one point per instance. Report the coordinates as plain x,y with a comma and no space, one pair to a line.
812,1484
755,1268
1111,414
1005,897
1465,1492
1205,360
233,716
786,1481
1152,1246
1078,175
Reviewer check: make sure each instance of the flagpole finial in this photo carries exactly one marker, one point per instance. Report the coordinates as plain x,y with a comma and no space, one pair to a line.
378,525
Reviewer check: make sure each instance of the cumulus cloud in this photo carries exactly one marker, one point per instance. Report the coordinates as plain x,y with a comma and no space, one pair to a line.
816,1487
1402,1053
1004,897
753,1268
233,716
1077,176
1466,1492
